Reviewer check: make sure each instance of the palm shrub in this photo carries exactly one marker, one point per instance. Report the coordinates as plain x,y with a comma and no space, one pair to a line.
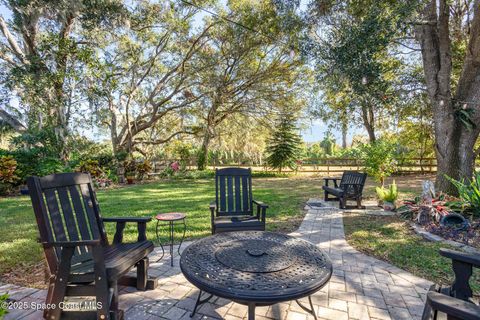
469,191
283,148
389,195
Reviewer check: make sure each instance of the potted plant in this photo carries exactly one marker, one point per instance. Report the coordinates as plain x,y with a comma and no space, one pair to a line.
130,171
388,196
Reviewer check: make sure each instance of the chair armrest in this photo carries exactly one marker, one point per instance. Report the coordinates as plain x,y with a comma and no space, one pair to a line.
469,258
213,205
213,209
71,243
454,307
121,221
327,179
261,210
260,204
127,219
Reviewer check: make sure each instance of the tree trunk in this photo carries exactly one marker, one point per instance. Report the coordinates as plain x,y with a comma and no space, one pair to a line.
369,121
202,158
344,134
454,142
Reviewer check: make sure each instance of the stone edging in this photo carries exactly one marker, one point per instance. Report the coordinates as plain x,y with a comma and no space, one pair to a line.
433,237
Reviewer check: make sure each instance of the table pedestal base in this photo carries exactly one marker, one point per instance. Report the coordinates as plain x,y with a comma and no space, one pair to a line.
251,306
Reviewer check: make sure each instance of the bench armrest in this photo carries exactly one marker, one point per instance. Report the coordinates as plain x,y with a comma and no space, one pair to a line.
121,222
453,307
71,244
260,204
213,209
335,181
469,258
127,219
261,210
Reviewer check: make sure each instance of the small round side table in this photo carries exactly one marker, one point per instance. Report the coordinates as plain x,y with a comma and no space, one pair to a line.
170,220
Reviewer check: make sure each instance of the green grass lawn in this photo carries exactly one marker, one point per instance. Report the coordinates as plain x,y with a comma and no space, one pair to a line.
21,255
390,239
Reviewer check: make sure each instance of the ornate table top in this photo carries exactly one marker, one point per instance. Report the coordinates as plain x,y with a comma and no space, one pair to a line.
170,216
258,266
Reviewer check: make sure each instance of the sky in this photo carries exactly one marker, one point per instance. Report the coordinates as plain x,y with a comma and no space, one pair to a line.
312,130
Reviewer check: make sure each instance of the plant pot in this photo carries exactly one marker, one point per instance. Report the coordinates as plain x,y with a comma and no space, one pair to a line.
388,206
130,180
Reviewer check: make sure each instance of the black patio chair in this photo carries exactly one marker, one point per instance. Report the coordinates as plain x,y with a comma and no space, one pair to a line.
232,209
350,187
80,259
456,300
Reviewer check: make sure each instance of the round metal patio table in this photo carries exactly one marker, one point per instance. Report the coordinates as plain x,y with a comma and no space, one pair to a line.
255,268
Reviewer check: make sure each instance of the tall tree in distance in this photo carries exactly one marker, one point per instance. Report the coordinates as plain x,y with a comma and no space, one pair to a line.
249,67
283,149
43,57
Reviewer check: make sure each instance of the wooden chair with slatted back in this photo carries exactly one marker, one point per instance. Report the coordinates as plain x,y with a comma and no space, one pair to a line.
80,259
350,188
232,209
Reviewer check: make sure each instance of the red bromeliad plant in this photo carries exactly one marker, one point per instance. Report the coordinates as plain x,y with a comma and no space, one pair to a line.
424,213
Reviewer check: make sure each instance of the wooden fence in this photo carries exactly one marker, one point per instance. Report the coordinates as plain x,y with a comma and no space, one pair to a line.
319,165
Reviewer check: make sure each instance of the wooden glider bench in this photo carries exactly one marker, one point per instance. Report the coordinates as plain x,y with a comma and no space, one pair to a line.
81,261
350,188
456,300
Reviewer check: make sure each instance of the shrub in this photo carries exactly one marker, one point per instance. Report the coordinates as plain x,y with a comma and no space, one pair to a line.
92,167
130,167
8,174
389,195
143,168
469,191
379,159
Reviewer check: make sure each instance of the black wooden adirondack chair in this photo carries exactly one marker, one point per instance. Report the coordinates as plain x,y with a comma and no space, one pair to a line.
456,300
232,209
80,259
350,188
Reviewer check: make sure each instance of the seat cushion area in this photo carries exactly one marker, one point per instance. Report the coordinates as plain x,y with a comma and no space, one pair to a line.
119,259
239,222
334,191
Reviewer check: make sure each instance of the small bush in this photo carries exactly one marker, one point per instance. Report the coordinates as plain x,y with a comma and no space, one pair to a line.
379,159
389,195
143,168
92,167
469,192
8,174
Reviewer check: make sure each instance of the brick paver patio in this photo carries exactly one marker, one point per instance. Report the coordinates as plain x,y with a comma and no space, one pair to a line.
361,287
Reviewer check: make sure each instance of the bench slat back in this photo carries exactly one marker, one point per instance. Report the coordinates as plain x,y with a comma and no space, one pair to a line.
66,209
353,177
233,188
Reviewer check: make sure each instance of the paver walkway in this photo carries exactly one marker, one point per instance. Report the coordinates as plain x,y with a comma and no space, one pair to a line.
361,287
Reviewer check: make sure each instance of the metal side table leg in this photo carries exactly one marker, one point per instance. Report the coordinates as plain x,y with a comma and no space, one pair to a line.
158,240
